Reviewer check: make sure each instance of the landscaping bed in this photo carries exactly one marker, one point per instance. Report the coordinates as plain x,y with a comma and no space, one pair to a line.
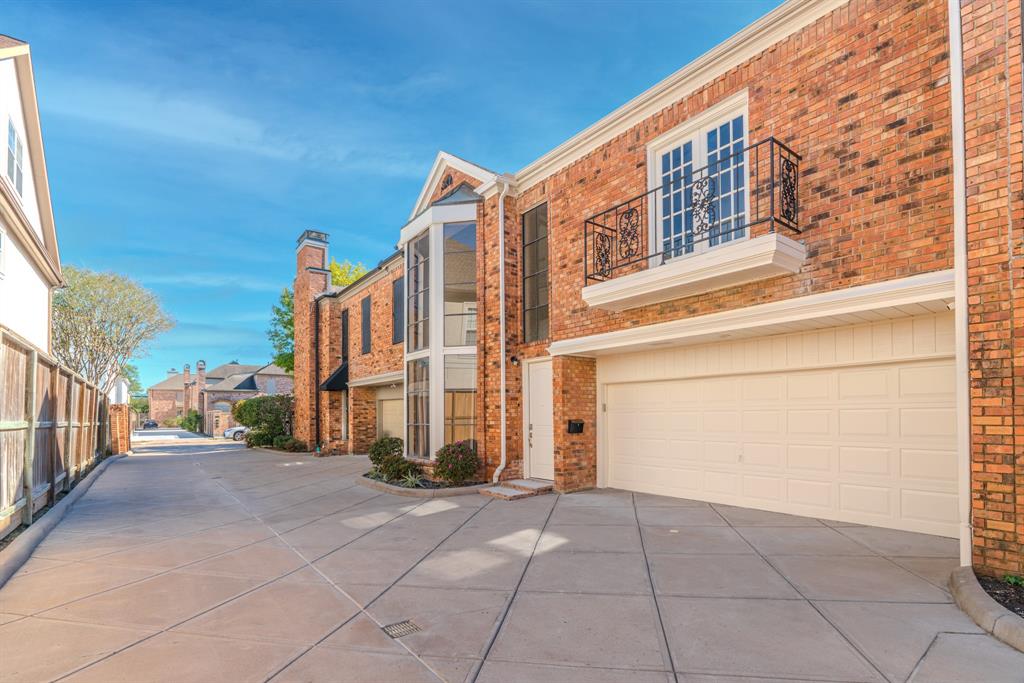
431,489
1009,594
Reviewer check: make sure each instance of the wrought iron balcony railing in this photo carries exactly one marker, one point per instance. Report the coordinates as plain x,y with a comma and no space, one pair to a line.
693,210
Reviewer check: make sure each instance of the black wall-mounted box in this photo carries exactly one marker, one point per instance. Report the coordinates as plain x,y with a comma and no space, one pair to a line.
575,427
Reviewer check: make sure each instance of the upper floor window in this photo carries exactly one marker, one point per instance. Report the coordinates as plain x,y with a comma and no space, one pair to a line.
398,310
365,323
703,179
535,274
344,335
15,154
418,291
460,284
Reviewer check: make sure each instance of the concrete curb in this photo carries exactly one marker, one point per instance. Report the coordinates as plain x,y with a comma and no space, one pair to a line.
986,612
20,549
420,493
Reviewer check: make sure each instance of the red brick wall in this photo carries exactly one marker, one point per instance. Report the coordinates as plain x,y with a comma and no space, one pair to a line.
164,404
307,285
120,429
362,418
575,398
384,357
995,234
862,94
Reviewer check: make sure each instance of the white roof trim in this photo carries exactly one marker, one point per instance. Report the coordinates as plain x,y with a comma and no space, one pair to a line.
444,213
781,22
434,177
928,288
397,377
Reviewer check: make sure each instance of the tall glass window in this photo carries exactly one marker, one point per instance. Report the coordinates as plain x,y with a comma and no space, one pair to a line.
460,284
418,407
535,274
418,279
459,397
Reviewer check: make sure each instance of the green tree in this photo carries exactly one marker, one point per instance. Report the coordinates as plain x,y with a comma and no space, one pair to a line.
281,332
131,374
139,404
100,320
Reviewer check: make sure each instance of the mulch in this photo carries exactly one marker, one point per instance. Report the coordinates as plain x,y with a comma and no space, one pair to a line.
1009,596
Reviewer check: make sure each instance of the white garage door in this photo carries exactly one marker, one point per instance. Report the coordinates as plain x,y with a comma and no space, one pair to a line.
871,443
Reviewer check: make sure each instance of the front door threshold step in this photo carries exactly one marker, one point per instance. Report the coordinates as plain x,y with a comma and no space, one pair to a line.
515,489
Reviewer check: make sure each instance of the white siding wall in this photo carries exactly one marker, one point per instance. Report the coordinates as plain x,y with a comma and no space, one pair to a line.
10,108
24,299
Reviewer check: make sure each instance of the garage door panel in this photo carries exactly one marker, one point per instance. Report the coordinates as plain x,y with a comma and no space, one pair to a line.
871,443
928,464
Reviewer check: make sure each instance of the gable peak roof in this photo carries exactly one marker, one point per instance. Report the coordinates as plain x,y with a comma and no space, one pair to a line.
441,161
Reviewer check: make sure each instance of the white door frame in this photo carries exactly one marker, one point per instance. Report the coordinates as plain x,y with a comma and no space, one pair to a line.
527,452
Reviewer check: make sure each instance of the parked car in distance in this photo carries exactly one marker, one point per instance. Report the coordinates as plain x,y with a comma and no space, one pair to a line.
236,433
150,424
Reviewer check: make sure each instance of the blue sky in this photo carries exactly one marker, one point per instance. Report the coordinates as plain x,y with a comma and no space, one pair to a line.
188,144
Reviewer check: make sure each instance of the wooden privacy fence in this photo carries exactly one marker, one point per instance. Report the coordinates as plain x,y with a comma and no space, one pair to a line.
53,425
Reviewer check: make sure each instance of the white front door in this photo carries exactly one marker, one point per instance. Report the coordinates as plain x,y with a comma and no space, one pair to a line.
540,428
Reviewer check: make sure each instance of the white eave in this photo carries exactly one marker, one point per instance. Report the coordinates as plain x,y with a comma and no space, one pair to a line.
758,258
915,295
438,213
383,379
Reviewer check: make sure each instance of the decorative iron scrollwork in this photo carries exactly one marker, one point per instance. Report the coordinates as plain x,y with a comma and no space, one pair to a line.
629,234
704,214
787,191
602,255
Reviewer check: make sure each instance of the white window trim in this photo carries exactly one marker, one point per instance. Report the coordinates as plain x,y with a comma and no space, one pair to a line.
727,108
18,140
5,246
433,221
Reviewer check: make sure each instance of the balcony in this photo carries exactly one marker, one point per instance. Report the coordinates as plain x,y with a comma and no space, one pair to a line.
731,222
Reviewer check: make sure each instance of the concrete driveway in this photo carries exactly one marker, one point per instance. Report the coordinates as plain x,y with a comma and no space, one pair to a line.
197,562
164,434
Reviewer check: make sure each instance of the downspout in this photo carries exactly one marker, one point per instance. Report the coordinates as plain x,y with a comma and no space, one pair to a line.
961,339
501,323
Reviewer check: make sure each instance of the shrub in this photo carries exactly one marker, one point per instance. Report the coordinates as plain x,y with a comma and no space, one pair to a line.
268,414
192,421
456,463
281,441
385,447
255,439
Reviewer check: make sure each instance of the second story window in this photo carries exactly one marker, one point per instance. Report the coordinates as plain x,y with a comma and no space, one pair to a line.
398,311
460,284
535,274
365,323
344,335
15,160
418,291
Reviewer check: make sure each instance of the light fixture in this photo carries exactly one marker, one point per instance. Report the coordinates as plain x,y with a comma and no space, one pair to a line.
514,360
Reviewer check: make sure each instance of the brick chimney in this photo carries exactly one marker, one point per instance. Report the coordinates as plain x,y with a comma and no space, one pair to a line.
311,278
201,386
187,393
172,372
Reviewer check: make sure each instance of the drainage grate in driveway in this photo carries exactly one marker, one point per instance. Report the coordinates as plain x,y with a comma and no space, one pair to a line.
400,628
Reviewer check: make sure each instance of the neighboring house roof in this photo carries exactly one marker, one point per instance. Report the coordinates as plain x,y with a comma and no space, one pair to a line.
228,369
242,381
271,369
173,382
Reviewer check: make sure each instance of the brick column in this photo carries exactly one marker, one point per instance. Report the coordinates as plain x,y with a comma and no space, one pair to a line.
362,418
311,279
120,428
574,382
995,280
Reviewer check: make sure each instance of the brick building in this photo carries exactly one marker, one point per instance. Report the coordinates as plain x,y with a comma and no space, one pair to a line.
787,277
213,391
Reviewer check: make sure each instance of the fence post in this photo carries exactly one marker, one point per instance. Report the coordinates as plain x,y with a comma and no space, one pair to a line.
68,431
53,433
30,432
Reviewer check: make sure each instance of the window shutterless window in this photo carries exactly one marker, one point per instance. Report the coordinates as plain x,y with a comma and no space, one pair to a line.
365,323
15,154
398,311
535,274
418,291
418,408
344,335
459,397
703,197
460,284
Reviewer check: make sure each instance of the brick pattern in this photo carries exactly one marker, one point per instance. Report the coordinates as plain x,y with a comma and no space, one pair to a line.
575,398
362,418
165,404
307,285
995,233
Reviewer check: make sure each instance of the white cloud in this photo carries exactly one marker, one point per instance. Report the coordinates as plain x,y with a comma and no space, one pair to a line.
203,280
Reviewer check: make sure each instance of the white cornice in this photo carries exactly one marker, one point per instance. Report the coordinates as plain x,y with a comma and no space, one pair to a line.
927,288
781,22
744,261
